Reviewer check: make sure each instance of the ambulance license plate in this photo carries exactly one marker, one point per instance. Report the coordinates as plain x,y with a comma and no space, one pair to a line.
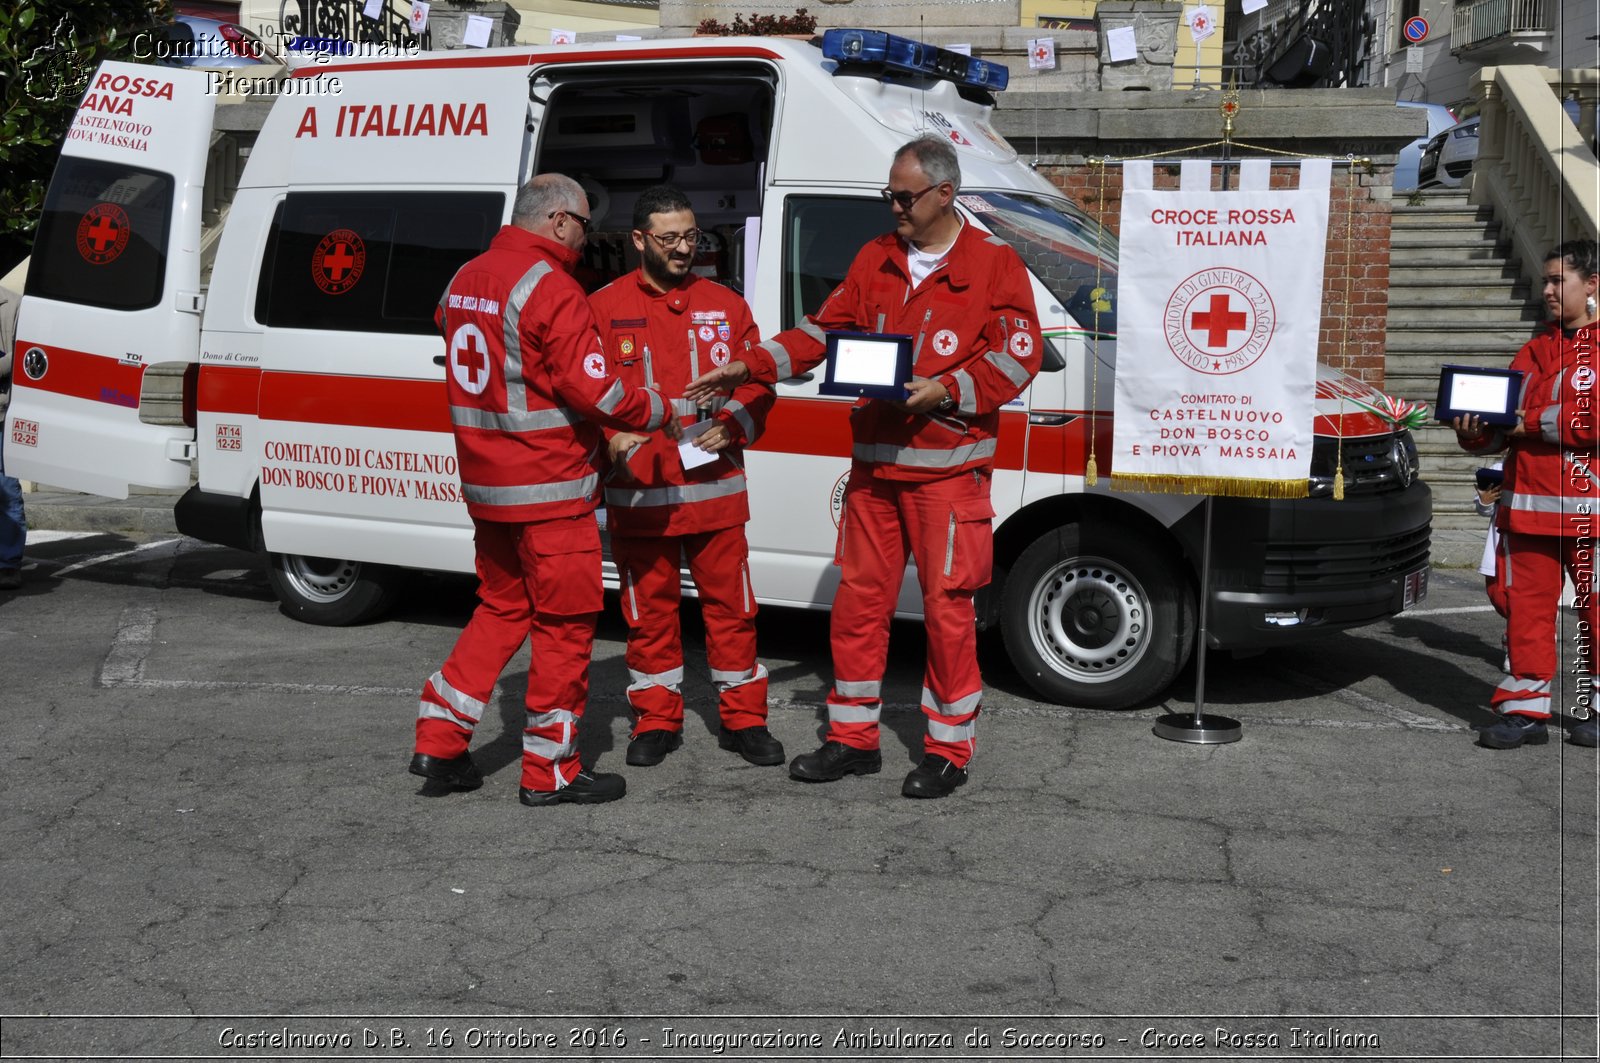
1416,588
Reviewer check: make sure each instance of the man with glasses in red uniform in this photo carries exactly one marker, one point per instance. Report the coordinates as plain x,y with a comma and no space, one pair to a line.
919,479
664,326
528,380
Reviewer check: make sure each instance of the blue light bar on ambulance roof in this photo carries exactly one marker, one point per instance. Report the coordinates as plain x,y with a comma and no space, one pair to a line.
907,56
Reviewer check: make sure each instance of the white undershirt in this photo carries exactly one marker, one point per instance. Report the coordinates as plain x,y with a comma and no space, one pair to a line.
921,263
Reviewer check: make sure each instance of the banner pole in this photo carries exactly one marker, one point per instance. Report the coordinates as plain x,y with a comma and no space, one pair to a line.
1200,729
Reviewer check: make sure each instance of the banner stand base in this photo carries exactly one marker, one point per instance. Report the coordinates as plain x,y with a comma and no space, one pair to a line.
1197,729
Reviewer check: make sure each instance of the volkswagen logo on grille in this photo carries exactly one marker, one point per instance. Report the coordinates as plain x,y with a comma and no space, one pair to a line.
1405,466
34,363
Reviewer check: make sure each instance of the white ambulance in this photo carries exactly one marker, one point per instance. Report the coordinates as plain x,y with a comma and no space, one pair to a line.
315,417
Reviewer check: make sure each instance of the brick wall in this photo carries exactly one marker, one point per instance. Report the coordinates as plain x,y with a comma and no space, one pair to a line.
1355,267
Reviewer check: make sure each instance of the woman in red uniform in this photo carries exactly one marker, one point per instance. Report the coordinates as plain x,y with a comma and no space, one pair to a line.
1548,508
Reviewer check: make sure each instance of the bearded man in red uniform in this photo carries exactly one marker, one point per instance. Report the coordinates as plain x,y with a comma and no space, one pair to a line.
919,479
1547,513
528,380
664,326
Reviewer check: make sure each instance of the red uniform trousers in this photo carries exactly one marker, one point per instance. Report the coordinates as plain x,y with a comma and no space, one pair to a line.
1531,569
946,526
719,561
538,581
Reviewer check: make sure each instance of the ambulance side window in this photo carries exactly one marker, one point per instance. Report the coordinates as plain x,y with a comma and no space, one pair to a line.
102,238
821,235
369,261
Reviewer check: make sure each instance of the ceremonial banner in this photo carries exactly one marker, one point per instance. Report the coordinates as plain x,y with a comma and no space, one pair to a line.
1221,306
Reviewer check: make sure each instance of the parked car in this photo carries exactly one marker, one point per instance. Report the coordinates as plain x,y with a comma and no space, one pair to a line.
1449,156
204,43
1440,118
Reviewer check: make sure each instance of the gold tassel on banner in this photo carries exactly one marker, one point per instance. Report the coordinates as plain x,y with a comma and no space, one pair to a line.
1338,477
1091,471
1172,484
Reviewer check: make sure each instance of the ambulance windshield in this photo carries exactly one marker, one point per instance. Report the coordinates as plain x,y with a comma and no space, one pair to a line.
1072,256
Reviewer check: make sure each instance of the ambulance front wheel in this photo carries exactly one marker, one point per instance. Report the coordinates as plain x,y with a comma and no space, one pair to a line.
334,593
1098,619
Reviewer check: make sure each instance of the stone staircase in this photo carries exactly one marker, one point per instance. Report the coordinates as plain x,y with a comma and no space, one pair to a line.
1454,296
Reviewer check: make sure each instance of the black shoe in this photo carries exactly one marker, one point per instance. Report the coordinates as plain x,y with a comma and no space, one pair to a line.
459,772
833,761
651,748
754,744
934,777
1513,730
589,788
1586,732
10,579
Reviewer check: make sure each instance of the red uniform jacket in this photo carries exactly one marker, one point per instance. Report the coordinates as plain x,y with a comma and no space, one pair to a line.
664,340
1552,484
527,379
976,331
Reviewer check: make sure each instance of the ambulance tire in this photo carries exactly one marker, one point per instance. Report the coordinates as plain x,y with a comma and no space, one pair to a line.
329,592
1100,619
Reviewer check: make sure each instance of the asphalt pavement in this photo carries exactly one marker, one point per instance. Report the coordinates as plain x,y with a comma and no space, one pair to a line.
211,849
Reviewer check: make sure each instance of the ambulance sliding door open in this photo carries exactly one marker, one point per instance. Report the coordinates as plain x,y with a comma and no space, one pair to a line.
113,286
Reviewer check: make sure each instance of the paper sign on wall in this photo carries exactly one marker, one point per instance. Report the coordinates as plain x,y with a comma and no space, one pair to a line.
1042,54
476,35
419,16
1122,44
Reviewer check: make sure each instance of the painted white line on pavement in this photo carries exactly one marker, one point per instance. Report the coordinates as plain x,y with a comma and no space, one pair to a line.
1446,611
265,688
102,558
124,663
39,538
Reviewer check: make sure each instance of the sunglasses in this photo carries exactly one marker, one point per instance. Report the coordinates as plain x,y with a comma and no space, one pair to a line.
904,200
579,218
667,241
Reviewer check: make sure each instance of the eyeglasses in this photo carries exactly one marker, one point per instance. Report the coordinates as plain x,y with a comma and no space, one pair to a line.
667,241
579,218
905,200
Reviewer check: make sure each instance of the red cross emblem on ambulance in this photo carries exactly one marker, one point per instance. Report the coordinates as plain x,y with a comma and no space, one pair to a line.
103,233
338,261
469,359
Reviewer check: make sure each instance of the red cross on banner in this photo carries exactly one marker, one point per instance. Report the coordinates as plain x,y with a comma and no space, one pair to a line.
1219,321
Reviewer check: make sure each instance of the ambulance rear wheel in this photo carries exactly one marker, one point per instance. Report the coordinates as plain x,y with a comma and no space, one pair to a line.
331,592
1102,620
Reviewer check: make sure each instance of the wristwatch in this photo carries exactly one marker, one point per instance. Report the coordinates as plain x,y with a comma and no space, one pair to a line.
946,404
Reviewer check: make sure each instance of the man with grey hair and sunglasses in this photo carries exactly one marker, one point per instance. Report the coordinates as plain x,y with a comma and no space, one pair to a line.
529,386
921,466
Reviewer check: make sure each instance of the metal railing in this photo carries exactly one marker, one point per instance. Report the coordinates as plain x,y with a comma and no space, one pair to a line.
1484,20
1534,166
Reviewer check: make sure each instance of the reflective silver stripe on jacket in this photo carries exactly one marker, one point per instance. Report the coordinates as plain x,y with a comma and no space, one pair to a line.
460,704
858,688
780,356
1584,505
520,421
747,424
968,403
612,398
539,746
671,679
1550,424
1011,368
639,497
917,458
511,327
684,408
658,411
531,494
